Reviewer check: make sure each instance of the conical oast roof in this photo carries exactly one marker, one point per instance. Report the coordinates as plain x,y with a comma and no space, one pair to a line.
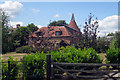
73,23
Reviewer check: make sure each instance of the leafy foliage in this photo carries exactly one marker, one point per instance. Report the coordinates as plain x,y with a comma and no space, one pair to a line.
31,27
58,23
102,45
113,55
21,35
23,49
117,35
29,49
73,55
110,34
90,32
12,70
34,66
6,45
113,44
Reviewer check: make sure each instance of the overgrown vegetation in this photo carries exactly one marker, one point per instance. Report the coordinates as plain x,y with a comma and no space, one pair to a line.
9,70
34,66
113,55
102,45
73,55
29,49
58,23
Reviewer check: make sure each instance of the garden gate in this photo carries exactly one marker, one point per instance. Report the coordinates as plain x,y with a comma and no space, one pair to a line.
76,71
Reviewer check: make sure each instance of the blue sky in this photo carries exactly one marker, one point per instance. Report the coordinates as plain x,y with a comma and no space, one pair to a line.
81,10
40,13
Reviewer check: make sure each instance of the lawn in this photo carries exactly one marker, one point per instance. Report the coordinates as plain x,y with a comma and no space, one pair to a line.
17,56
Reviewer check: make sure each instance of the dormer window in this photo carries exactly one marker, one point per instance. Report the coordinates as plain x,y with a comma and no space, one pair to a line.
58,33
39,34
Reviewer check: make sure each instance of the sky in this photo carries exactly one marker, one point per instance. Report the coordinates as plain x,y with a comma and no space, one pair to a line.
41,13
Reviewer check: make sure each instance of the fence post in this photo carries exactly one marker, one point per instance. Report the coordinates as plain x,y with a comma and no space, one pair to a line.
48,66
52,70
8,70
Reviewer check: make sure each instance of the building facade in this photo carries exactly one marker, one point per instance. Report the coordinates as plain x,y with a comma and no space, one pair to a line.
58,35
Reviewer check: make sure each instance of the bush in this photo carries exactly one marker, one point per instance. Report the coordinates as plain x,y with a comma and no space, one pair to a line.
23,49
73,55
34,66
13,70
102,45
113,55
113,44
28,49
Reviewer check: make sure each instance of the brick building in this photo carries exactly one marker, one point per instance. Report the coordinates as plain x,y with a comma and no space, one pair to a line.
59,35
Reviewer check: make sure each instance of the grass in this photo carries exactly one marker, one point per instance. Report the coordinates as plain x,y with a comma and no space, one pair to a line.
20,55
102,55
17,56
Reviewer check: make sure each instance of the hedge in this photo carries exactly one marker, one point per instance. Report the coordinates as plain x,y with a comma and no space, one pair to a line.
34,66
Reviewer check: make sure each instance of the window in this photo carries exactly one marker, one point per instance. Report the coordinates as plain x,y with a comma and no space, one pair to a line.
58,33
39,34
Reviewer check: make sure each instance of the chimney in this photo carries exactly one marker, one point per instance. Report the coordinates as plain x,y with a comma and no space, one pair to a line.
17,25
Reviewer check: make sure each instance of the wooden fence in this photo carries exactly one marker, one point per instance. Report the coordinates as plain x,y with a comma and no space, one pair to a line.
76,71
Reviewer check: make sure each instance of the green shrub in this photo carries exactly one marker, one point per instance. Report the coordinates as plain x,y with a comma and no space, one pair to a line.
113,44
23,49
102,45
113,55
73,55
13,70
28,49
34,66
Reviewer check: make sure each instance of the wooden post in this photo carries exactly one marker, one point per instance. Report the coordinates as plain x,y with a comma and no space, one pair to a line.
8,70
52,70
48,66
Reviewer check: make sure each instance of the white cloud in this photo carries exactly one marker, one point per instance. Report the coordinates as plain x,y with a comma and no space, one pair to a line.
39,26
35,10
11,8
70,13
107,25
13,24
57,15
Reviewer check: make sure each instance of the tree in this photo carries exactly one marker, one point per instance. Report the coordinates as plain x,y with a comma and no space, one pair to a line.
5,32
116,43
90,32
31,27
118,38
110,34
20,36
102,44
58,23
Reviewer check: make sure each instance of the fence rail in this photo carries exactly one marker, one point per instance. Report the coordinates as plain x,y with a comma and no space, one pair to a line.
82,70
55,70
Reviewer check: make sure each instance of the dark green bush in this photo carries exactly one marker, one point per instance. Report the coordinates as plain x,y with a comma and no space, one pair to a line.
73,55
34,66
28,49
23,49
102,45
10,74
113,55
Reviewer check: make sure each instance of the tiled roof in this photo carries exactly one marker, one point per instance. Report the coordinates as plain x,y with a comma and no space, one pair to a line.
73,23
14,29
50,31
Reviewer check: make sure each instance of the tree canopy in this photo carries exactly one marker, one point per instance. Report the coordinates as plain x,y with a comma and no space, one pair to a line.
31,27
5,32
110,34
58,23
